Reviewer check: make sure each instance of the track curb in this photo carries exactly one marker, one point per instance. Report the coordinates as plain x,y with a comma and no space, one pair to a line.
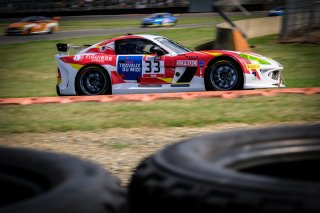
158,96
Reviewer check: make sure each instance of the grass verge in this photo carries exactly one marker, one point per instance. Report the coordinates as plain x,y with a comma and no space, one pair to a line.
173,113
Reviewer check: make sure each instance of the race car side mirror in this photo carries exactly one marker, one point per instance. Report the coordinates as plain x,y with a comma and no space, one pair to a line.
156,50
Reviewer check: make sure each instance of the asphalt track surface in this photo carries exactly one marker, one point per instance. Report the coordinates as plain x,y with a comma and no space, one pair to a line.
61,35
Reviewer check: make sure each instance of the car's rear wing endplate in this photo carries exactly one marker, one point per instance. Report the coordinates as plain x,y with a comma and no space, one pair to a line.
70,48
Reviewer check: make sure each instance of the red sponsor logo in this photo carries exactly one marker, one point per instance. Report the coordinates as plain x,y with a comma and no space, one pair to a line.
77,57
98,58
187,63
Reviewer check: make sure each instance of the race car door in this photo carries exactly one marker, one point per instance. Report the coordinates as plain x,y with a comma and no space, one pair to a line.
136,63
156,70
40,24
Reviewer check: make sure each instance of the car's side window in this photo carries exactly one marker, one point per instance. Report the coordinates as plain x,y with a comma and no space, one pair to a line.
133,46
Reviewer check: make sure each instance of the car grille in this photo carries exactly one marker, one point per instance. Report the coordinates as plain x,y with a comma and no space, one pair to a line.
274,75
14,30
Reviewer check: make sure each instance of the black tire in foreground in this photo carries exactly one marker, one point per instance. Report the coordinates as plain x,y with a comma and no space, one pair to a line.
43,182
260,170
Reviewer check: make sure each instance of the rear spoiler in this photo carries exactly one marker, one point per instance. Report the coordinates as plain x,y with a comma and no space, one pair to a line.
70,48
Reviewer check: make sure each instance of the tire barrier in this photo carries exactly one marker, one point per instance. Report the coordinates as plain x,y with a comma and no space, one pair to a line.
232,38
158,96
36,181
259,170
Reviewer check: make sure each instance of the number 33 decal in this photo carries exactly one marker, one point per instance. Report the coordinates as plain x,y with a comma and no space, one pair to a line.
153,67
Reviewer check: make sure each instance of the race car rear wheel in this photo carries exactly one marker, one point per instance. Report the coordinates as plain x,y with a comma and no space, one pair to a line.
27,31
93,80
50,30
224,74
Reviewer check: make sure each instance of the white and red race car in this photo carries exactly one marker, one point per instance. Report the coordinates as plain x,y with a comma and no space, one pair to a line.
152,64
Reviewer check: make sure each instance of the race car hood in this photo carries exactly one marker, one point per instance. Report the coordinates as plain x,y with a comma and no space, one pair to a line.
251,57
262,61
19,24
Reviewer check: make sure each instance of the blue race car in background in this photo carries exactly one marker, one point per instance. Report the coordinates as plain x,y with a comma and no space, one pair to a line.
159,19
278,11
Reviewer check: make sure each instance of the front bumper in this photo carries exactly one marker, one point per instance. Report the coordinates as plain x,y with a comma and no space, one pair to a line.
264,78
14,31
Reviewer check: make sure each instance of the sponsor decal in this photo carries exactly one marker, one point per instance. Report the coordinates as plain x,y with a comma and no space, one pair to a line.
256,75
103,48
192,56
253,66
153,58
109,46
76,66
98,58
37,26
77,57
166,20
201,63
130,67
214,54
187,63
259,59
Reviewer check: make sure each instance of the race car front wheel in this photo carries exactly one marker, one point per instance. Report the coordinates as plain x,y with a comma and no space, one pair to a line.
93,80
268,170
224,74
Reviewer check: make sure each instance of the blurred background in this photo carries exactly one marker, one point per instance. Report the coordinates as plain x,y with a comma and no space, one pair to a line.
119,135
302,17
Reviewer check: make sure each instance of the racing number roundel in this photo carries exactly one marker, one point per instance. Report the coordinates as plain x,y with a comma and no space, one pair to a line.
151,67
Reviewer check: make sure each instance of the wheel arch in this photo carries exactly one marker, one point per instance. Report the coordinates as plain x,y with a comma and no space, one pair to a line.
92,65
224,57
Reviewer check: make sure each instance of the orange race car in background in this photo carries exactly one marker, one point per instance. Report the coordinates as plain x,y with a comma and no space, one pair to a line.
34,25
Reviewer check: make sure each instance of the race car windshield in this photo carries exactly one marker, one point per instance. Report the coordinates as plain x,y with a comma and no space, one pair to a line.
157,15
28,19
33,18
154,16
174,46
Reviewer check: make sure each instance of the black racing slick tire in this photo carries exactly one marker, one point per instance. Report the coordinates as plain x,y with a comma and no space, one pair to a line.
224,74
44,182
93,80
266,170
